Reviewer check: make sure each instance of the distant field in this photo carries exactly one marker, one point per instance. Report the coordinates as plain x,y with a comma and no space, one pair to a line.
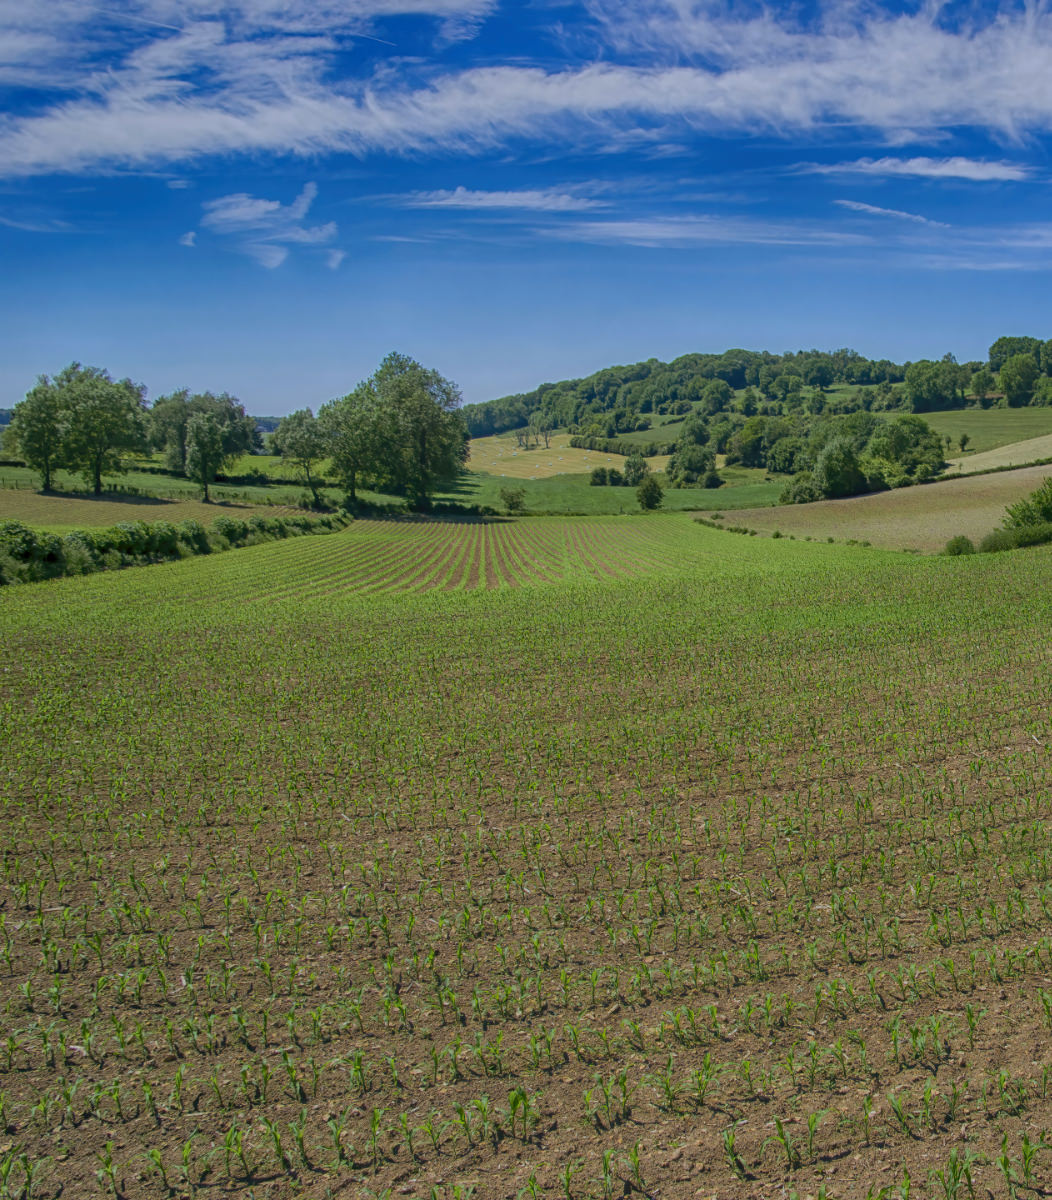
504,457
989,428
574,494
1015,454
61,513
917,518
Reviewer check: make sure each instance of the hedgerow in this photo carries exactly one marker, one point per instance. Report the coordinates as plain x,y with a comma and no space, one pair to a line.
28,555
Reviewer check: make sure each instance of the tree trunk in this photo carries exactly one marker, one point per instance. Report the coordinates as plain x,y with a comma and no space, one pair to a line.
97,471
208,499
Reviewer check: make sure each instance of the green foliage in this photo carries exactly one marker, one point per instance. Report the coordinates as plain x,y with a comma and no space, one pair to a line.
837,471
37,429
1017,377
401,430
960,545
300,440
649,494
205,453
28,555
513,499
169,425
1036,509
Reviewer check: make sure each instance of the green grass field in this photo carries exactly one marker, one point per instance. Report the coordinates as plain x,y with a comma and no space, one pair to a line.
991,427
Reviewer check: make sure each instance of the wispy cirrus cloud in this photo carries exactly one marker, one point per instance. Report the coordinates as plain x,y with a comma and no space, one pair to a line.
873,210
266,230
976,170
682,231
160,82
530,199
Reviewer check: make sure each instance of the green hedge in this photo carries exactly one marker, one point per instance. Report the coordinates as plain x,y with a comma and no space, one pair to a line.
29,555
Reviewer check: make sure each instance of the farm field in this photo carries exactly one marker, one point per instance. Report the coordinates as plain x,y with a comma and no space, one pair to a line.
63,512
917,518
990,428
501,455
1015,454
692,865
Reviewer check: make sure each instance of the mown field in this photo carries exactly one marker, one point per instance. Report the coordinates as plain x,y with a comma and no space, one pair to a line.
917,518
62,512
579,858
989,428
1015,454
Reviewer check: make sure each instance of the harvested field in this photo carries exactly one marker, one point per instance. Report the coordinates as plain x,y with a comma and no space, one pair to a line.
502,456
732,878
918,518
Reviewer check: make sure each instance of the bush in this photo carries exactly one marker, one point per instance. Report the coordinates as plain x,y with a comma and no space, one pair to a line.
598,477
960,545
194,535
993,543
649,494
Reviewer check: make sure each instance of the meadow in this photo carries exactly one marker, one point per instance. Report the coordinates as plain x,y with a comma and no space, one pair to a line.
566,857
920,518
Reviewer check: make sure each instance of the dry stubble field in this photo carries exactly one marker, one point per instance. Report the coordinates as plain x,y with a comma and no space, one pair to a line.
729,879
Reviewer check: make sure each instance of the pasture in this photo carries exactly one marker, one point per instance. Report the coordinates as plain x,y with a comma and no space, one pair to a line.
583,858
990,428
918,518
61,512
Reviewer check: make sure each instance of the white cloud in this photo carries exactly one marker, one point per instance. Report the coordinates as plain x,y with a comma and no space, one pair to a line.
674,231
334,258
251,76
874,211
265,229
188,239
975,169
533,199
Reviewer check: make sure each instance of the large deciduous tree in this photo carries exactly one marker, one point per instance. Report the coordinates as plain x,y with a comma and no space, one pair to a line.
205,451
106,421
401,430
1018,376
38,428
300,440
170,420
424,438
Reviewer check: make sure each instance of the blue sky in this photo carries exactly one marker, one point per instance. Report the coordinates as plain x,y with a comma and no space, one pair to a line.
266,196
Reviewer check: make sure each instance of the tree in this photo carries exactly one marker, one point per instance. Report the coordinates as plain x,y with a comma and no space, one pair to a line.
649,494
37,429
636,470
423,438
106,420
204,450
1018,376
513,499
300,440
982,385
170,417
1007,347
837,472
350,428
963,441
598,477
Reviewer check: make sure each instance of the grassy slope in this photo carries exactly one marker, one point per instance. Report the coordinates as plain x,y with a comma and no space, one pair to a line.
61,513
990,427
762,748
917,518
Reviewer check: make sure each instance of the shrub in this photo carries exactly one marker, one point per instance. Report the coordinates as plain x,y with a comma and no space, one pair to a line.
999,539
194,535
960,545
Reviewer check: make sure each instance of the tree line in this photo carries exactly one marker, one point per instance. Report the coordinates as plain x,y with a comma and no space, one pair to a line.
626,399
400,430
